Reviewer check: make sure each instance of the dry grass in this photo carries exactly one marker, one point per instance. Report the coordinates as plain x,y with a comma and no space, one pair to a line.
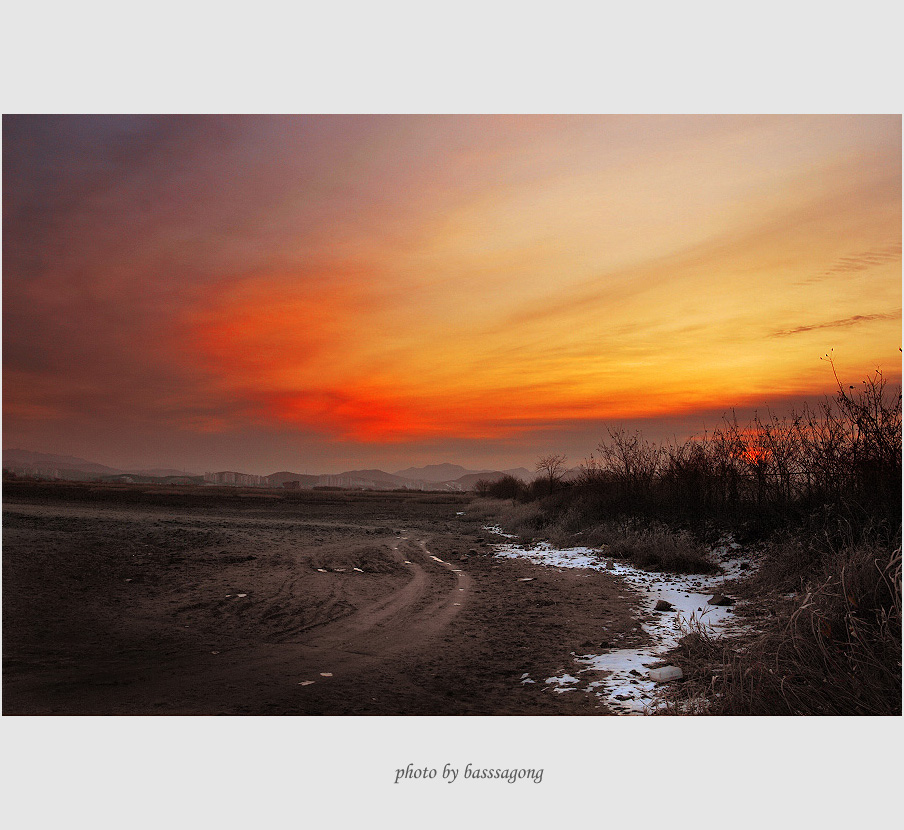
835,649
660,549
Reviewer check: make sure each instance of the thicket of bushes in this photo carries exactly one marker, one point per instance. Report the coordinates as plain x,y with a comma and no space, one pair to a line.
839,464
819,491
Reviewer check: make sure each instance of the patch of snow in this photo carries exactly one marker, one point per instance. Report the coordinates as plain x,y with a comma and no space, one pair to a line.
688,593
326,674
563,683
498,531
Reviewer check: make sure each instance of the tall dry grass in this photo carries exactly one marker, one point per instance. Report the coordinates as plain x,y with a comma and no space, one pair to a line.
835,649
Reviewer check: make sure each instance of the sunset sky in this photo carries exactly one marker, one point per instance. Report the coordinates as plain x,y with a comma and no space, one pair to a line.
322,293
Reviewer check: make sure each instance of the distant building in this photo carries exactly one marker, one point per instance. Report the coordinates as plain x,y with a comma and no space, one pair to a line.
235,479
291,485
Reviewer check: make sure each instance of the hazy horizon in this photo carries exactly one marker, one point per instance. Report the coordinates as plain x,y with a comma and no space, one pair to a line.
325,293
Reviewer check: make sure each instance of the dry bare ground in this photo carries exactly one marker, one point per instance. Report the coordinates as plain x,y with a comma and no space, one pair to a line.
140,600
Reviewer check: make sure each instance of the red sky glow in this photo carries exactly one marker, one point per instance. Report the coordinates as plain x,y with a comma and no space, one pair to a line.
317,293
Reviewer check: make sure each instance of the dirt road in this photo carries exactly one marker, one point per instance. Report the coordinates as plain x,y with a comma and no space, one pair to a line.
317,604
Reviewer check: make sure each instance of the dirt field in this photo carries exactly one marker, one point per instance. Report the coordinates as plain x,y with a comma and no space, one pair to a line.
138,600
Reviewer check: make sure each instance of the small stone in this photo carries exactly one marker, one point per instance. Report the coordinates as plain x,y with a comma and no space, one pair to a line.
662,605
665,674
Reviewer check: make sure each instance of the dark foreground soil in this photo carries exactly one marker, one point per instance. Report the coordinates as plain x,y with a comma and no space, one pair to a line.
139,600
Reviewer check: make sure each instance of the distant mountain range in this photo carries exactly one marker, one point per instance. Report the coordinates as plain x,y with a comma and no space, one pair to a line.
449,477
26,462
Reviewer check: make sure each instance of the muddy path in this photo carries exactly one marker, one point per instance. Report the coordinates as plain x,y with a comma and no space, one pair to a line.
285,606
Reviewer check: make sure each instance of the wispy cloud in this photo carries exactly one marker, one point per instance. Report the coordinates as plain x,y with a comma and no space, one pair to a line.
854,263
839,324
